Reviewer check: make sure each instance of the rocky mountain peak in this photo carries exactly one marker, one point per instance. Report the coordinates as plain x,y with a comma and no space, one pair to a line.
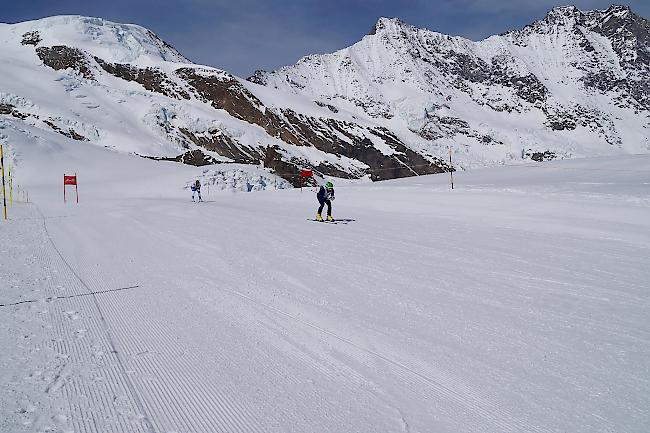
561,16
614,16
564,11
628,32
619,10
388,25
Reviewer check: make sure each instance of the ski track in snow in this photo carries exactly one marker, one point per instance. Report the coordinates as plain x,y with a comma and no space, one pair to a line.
138,375
91,352
516,303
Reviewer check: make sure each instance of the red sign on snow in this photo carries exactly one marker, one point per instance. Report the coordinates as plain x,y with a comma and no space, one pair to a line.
306,173
70,180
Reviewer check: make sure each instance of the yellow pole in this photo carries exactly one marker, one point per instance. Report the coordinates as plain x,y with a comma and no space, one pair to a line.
11,187
4,195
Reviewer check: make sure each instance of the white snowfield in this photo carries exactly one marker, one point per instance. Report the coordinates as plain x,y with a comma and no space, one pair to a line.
114,42
519,302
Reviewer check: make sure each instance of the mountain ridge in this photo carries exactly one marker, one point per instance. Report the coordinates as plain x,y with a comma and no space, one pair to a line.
183,106
389,106
551,69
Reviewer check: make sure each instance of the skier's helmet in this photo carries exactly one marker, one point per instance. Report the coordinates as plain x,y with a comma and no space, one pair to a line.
329,185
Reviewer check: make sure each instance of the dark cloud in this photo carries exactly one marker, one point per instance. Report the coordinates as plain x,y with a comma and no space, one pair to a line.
244,35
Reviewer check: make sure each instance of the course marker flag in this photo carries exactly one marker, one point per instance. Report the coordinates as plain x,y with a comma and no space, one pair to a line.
70,180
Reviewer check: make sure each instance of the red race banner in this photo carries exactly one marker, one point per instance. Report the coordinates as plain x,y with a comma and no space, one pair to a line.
306,173
70,180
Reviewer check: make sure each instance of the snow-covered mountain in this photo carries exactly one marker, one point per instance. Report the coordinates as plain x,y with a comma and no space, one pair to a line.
571,85
122,87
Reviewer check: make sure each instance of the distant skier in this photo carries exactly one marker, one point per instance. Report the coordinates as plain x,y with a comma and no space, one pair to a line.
196,190
325,196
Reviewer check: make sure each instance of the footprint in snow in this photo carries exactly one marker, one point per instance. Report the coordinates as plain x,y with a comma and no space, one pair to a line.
72,315
26,407
60,419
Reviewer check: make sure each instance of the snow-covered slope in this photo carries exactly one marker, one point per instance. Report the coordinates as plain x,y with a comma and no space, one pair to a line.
113,42
574,84
516,303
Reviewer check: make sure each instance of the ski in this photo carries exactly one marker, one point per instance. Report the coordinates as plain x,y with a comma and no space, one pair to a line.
328,222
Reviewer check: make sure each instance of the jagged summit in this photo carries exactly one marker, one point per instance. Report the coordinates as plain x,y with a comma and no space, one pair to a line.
622,11
574,11
388,25
115,42
566,11
571,15
628,33
562,15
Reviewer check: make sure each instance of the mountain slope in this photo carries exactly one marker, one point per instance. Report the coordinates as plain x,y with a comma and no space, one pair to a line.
573,84
122,87
517,303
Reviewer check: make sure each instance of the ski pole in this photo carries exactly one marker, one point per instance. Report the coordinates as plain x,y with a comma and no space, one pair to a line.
4,194
451,169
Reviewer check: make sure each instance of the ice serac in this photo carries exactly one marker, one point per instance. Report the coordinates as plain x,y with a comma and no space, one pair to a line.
573,84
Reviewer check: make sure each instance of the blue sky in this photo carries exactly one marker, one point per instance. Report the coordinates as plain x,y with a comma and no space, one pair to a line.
244,35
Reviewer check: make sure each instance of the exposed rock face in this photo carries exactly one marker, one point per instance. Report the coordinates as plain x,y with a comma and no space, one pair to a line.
151,79
217,141
284,167
11,110
540,156
349,140
62,57
31,38
330,107
192,157
70,133
224,92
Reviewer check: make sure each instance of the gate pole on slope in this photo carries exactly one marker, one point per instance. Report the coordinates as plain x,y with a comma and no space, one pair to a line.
11,187
4,196
71,180
451,169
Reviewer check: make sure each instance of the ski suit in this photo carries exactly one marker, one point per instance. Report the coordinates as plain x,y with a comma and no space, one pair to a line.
325,197
196,189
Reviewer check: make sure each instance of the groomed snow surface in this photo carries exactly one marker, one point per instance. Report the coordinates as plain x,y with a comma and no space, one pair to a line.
519,302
